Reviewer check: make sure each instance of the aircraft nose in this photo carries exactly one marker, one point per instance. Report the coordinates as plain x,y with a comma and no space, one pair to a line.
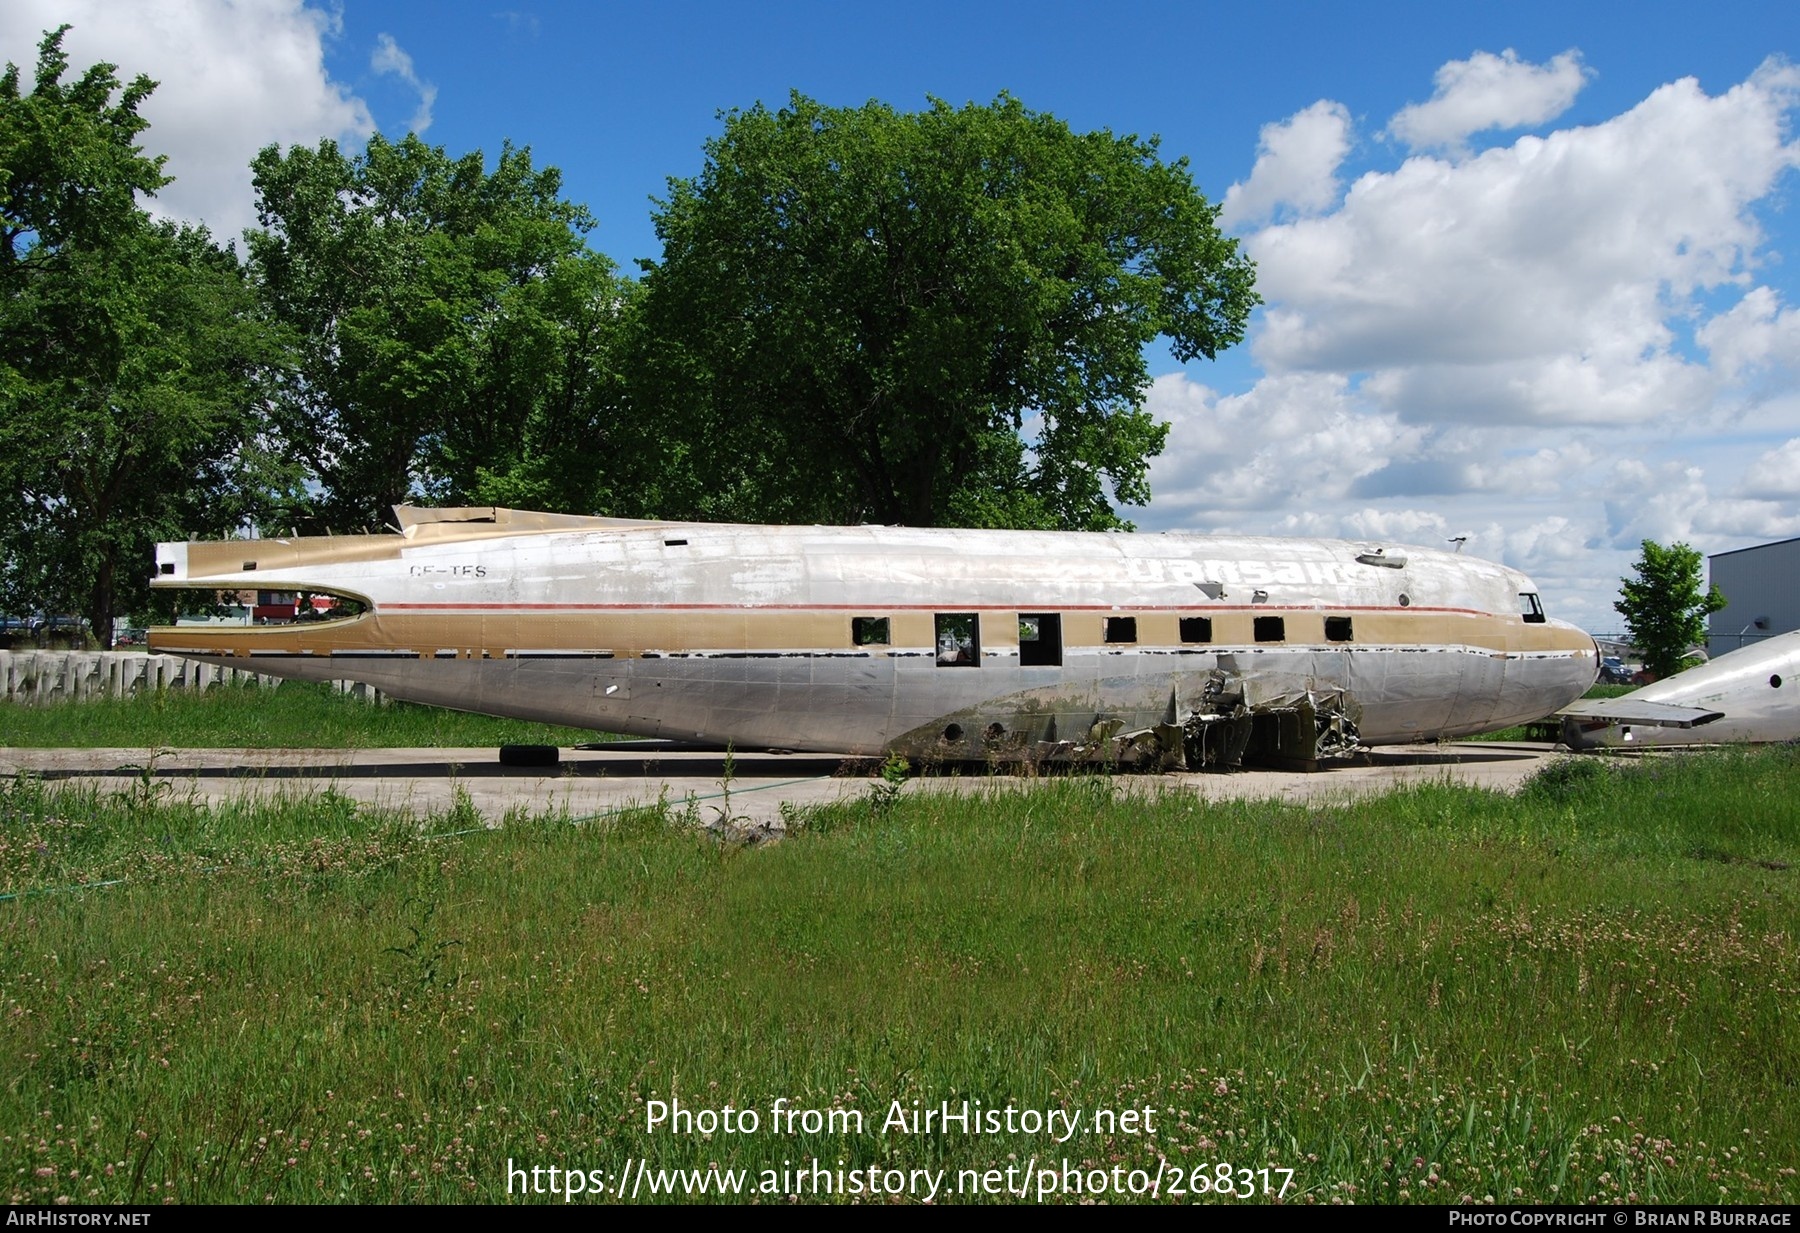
1560,664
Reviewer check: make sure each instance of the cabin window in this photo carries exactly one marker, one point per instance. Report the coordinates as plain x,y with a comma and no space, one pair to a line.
1196,629
1040,639
869,631
1121,629
958,640
1531,608
1271,629
1337,629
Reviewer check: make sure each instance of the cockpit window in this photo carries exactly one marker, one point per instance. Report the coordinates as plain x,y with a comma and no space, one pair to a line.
1531,607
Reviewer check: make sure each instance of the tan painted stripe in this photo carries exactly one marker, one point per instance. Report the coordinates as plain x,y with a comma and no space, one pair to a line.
630,634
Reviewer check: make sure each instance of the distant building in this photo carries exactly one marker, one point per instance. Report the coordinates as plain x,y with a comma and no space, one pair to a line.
1762,588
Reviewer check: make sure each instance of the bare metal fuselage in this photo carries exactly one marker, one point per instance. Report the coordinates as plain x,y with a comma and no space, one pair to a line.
927,642
1744,697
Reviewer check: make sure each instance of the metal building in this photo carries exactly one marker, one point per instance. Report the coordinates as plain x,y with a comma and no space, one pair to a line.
1762,587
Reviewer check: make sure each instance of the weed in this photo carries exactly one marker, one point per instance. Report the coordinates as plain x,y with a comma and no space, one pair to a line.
421,960
462,814
724,820
1567,777
146,790
884,793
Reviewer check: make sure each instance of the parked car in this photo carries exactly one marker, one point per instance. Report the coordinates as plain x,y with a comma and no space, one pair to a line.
1614,672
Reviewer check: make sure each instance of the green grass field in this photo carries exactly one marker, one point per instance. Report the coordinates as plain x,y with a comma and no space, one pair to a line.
1583,993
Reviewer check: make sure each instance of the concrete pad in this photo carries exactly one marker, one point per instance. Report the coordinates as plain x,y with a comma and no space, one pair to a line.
630,773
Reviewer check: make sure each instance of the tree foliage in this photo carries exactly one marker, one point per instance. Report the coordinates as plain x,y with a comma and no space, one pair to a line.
70,165
454,328
130,354
927,318
1664,608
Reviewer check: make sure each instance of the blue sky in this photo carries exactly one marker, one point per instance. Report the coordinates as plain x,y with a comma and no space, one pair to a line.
1530,269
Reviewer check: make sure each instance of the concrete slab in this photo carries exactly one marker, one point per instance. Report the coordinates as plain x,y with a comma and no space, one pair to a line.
628,773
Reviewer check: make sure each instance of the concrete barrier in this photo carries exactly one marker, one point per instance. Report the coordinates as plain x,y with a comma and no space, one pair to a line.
37,677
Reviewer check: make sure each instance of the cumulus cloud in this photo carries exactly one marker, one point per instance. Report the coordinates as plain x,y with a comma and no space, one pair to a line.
1755,333
390,58
1483,463
1671,501
1292,440
233,77
1558,347
1775,476
1404,526
1296,167
1487,92
1545,282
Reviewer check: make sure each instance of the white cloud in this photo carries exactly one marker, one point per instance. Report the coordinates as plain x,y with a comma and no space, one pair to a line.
1671,501
1401,526
1552,539
1755,333
1291,440
390,58
1775,476
234,76
1559,347
519,24
1545,282
1478,461
1296,166
1489,92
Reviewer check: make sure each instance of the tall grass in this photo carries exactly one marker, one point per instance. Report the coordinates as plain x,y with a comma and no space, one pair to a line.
1584,992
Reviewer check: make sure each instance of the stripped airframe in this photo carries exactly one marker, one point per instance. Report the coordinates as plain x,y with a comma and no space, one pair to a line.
1167,649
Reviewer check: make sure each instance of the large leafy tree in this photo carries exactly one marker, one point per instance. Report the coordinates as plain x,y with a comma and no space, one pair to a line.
1664,607
926,318
455,331
130,355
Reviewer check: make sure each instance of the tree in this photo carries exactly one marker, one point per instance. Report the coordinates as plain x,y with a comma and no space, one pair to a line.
451,319
70,165
926,318
130,355
1664,609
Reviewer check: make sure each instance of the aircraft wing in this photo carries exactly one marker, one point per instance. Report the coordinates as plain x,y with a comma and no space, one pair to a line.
1627,710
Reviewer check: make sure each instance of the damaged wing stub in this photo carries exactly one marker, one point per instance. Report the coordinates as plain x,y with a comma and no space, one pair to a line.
1257,722
1218,720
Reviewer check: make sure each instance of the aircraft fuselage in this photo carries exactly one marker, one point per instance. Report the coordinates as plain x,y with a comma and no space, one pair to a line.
952,643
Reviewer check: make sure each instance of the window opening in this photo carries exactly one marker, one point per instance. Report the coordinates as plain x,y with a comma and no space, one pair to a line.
1531,608
1196,629
1271,629
869,631
1121,629
1040,639
958,640
1337,629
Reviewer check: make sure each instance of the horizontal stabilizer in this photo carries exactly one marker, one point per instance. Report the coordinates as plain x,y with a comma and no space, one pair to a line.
1627,711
